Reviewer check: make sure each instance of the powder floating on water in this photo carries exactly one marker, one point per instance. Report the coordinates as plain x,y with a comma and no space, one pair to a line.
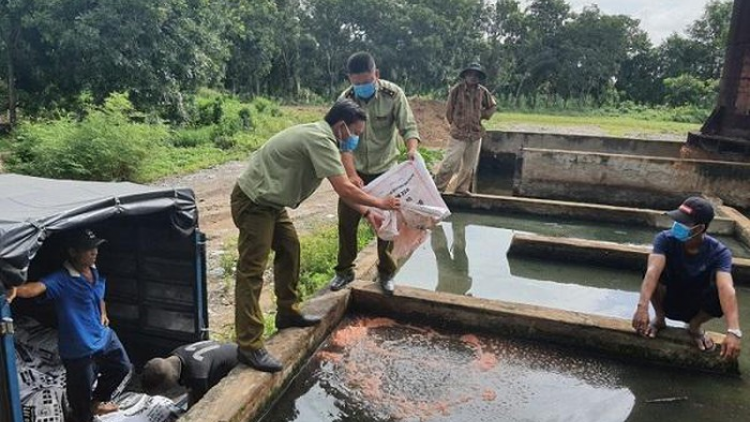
472,340
489,395
348,336
378,322
375,369
487,362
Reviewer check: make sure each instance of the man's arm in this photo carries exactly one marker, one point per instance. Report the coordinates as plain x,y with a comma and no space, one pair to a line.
491,105
411,147
27,290
656,264
407,125
451,105
359,199
347,159
103,309
730,348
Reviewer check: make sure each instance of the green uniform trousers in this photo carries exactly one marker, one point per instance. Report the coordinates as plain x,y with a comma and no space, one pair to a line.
262,229
348,224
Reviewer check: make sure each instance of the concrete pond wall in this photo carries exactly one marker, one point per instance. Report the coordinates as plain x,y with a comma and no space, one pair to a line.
498,142
629,180
500,149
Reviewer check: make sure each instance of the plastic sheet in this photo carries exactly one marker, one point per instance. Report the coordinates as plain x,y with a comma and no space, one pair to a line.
422,207
41,378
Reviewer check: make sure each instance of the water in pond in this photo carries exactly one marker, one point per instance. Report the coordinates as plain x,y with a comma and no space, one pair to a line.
468,256
562,227
376,370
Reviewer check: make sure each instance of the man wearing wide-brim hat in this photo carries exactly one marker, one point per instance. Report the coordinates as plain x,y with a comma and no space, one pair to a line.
469,103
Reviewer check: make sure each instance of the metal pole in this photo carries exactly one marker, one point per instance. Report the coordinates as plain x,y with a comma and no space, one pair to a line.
10,404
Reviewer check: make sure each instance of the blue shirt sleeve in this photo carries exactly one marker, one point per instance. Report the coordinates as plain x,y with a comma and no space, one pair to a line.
724,261
53,282
661,242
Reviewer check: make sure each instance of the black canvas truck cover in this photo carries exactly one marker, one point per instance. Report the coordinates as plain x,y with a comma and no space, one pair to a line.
32,209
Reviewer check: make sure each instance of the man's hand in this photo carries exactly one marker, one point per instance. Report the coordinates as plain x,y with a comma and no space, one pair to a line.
357,181
641,321
730,348
389,203
105,320
375,219
11,294
412,154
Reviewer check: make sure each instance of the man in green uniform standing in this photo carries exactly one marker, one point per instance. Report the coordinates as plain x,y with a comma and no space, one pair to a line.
283,173
388,117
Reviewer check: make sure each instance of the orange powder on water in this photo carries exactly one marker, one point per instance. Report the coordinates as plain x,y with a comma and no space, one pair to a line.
489,395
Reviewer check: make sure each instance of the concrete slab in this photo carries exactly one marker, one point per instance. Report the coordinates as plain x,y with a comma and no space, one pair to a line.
611,336
575,210
502,142
741,223
629,180
606,254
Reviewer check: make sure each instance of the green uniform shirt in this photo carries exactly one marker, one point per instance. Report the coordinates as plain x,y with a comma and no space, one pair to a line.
387,111
290,166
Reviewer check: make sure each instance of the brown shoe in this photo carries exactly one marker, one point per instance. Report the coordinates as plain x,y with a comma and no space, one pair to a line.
103,408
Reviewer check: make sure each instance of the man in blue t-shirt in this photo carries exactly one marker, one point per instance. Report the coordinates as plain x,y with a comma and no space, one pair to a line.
89,349
689,279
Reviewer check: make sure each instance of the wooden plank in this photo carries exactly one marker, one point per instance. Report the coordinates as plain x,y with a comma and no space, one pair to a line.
606,254
612,336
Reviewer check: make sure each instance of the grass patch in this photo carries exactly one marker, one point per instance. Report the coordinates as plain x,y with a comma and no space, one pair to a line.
319,256
610,125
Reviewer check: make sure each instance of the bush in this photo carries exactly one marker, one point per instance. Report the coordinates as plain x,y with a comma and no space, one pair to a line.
687,90
191,138
105,145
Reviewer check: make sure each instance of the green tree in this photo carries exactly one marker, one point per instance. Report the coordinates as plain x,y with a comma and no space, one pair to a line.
593,48
686,90
504,27
711,33
253,37
540,54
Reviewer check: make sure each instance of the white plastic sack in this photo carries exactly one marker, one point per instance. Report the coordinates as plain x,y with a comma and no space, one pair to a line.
135,407
422,207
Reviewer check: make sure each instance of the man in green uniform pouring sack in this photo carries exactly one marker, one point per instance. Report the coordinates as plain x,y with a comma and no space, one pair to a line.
388,118
283,173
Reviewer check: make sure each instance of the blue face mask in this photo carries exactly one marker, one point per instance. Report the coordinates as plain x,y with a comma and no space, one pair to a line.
350,143
681,232
365,91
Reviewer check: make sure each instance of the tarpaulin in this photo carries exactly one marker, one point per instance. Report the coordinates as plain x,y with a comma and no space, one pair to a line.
32,209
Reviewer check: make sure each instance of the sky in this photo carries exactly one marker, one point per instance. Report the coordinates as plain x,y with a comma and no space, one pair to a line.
660,18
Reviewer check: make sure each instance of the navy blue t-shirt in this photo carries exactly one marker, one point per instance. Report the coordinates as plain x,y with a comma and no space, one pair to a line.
204,364
77,304
692,272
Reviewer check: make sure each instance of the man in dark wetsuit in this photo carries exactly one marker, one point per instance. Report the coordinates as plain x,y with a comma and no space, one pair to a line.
197,367
689,279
